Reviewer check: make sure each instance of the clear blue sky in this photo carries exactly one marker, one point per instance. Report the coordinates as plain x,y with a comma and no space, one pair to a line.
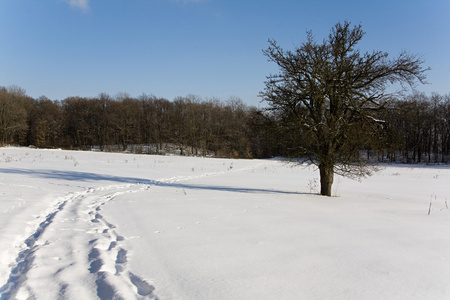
209,48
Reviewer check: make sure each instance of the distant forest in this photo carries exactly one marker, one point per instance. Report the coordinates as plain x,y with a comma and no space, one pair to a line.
416,128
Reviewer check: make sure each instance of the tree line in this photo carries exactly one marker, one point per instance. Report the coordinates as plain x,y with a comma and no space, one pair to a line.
192,125
412,129
416,128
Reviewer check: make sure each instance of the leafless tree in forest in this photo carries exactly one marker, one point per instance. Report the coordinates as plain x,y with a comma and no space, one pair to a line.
13,114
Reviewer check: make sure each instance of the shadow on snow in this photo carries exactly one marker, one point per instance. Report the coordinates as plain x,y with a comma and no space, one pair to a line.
85,176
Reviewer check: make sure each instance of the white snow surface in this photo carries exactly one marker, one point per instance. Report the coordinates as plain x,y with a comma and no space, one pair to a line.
88,225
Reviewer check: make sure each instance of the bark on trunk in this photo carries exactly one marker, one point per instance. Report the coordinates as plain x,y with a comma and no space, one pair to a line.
326,179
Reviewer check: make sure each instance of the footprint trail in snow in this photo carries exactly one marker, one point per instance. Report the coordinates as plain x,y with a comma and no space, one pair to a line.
76,244
109,264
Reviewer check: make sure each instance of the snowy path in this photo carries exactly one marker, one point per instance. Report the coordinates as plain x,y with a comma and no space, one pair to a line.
76,240
75,252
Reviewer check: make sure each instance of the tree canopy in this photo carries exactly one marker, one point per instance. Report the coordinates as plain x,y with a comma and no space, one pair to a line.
327,94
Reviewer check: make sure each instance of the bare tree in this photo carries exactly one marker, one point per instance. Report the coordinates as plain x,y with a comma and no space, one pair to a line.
13,115
327,94
45,123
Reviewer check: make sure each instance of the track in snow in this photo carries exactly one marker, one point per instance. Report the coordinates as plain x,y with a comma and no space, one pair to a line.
86,241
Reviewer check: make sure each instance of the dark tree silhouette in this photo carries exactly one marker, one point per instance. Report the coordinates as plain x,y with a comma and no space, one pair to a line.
327,94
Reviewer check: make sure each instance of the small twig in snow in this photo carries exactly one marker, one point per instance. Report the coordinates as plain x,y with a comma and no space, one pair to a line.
431,202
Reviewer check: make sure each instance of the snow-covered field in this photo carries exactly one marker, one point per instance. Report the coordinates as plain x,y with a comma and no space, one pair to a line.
85,225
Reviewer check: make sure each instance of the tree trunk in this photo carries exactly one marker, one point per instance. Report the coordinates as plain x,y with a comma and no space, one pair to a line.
326,179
